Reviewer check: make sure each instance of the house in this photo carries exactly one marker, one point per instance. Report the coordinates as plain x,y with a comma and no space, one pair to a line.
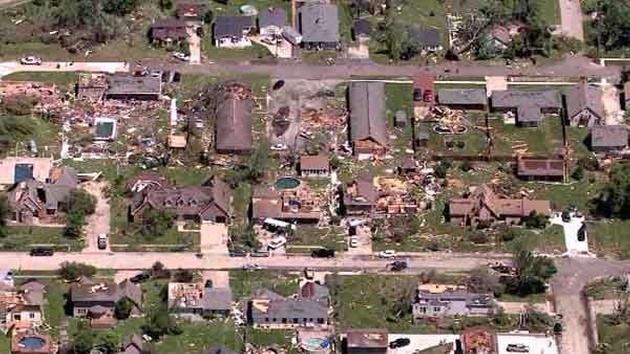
422,139
291,35
609,138
368,127
466,99
426,40
318,23
146,180
423,90
132,344
361,30
207,203
483,205
297,204
96,301
267,309
367,341
30,199
584,105
127,87
168,31
17,169
91,87
233,127
536,169
434,300
232,31
528,107
502,35
193,299
22,307
105,128
314,166
271,21
360,197
187,10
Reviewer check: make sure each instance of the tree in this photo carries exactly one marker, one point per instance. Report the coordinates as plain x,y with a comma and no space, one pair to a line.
578,173
123,308
108,343
74,225
614,198
532,272
166,4
611,28
19,105
81,201
156,222
71,271
244,236
442,169
393,35
158,271
482,281
536,220
159,322
208,17
183,276
83,340
258,162
5,212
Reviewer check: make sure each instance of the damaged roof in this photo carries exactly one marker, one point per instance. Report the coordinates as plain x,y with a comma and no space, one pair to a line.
134,85
318,22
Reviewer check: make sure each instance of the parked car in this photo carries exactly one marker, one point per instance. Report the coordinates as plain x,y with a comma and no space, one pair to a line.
397,266
31,60
517,348
102,241
277,243
238,254
140,277
279,147
399,343
260,254
250,266
208,284
181,56
42,251
354,241
309,273
387,254
323,253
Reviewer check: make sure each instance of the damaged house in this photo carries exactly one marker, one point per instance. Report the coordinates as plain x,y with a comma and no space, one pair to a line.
267,309
206,203
540,169
193,299
368,125
584,105
17,169
91,87
127,87
433,300
22,307
31,199
233,127
484,205
528,107
298,204
379,196
96,301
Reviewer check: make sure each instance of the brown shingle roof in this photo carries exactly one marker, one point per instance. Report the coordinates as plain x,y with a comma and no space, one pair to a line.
540,167
234,125
367,112
319,162
615,136
584,96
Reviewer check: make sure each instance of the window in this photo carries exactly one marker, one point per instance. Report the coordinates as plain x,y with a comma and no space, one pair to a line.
436,309
284,320
295,320
31,315
320,320
273,320
266,319
423,309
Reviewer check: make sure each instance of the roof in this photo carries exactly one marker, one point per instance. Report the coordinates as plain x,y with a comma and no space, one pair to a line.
106,292
231,26
367,112
169,28
362,27
318,22
312,290
63,176
584,96
528,104
134,85
609,136
360,192
318,162
288,308
540,167
149,177
455,295
234,124
16,169
424,37
217,299
273,16
367,338
133,340
483,197
473,96
501,34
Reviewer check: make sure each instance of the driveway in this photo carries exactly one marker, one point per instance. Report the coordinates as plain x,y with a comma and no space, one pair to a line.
213,239
571,19
220,278
364,244
194,45
571,229
99,222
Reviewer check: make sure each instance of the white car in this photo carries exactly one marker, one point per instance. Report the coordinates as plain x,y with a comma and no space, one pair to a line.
181,56
387,254
31,60
277,243
279,147
354,241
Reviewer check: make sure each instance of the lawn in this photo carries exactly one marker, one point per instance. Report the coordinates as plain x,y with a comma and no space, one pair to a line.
607,288
542,140
577,194
265,338
185,176
615,338
199,336
309,235
5,343
64,79
45,135
610,237
243,283
23,238
399,97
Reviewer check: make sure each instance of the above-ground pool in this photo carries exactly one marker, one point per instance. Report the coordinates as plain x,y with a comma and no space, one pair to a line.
314,345
32,342
287,183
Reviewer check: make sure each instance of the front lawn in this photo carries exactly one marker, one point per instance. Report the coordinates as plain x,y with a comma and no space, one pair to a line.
243,283
23,238
309,235
613,337
610,237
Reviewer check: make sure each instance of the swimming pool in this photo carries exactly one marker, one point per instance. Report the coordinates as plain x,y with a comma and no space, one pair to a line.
287,183
32,342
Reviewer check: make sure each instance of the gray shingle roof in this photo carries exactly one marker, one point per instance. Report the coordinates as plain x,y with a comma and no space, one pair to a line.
130,85
583,96
528,104
474,96
234,125
231,26
319,23
367,112
609,136
272,17
424,37
217,299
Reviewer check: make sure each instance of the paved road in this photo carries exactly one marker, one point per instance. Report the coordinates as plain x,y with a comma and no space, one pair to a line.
571,19
144,260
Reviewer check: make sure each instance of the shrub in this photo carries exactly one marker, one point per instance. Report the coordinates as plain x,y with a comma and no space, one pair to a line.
71,271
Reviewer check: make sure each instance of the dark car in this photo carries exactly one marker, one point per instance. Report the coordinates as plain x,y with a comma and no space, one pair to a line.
42,251
517,348
397,266
399,343
141,277
208,284
323,253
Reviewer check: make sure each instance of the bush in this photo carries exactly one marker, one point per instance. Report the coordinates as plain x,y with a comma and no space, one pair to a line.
183,276
478,237
536,220
72,271
465,166
578,173
508,235
156,222
158,271
122,309
159,323
442,169
460,144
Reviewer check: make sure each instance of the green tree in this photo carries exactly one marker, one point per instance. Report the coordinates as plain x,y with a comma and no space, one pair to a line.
611,30
208,17
123,308
160,323
80,201
156,222
614,198
5,211
74,225
393,35
83,340
578,173
71,271
108,343
536,220
532,272
166,4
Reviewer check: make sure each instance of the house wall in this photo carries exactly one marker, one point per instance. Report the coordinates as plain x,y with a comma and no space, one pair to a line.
25,315
528,124
136,96
270,31
232,42
287,323
585,117
314,173
80,309
471,107
320,45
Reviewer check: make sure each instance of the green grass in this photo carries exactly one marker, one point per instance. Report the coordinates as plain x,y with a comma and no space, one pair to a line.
531,299
243,283
196,337
398,97
615,336
610,237
182,176
309,235
45,134
577,194
607,288
20,238
262,338
65,80
5,343
543,140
